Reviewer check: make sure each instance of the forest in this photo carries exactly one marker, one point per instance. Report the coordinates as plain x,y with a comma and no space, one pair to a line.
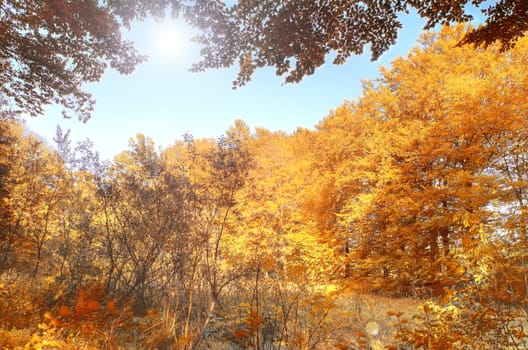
398,222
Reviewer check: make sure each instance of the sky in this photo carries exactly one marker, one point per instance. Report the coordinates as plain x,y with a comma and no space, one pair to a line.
163,100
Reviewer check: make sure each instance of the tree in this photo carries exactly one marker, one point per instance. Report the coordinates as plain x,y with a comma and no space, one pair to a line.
148,224
10,134
421,168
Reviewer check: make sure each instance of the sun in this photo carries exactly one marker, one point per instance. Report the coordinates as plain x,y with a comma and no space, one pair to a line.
168,40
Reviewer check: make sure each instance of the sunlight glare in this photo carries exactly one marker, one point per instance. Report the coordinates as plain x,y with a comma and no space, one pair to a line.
169,41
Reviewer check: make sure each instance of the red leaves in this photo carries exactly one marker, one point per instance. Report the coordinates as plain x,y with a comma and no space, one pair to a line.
248,330
89,314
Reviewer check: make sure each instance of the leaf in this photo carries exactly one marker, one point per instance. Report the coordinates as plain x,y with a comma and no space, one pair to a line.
65,312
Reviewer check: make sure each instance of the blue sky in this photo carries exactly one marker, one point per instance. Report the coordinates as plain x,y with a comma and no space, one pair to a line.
162,100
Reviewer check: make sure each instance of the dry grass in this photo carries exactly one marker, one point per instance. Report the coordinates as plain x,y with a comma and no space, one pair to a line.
369,322
363,319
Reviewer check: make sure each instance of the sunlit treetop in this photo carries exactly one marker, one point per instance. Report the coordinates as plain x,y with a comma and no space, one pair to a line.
50,48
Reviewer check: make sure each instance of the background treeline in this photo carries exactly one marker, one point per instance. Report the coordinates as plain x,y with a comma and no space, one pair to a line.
259,239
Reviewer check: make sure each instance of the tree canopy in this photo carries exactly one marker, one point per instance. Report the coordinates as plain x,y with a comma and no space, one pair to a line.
296,36
50,48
